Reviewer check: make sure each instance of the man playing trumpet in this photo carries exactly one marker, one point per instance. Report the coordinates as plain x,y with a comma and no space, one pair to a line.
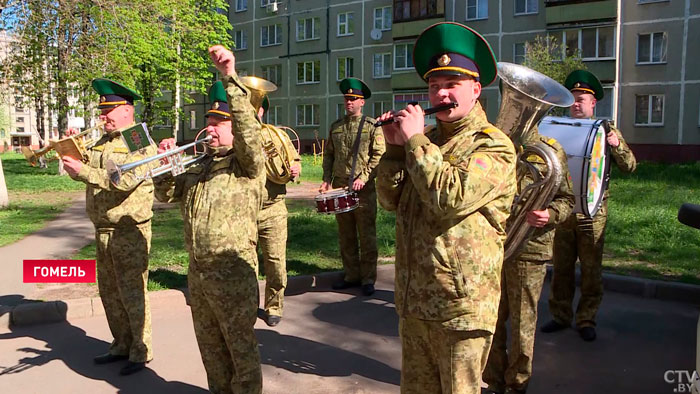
121,214
220,199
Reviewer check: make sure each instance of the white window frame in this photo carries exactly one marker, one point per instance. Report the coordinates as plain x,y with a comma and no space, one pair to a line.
406,52
382,26
651,47
314,22
348,25
265,72
348,61
515,7
193,119
386,73
313,64
652,1
268,118
241,5
265,3
384,107
597,41
649,110
271,38
315,110
515,52
475,5
243,41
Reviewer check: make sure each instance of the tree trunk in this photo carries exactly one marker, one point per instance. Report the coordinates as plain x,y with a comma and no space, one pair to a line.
4,198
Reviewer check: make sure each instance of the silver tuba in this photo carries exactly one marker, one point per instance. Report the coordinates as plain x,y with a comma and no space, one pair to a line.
527,96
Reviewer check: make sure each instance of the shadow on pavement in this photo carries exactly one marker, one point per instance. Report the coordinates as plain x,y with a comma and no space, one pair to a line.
299,355
378,313
76,350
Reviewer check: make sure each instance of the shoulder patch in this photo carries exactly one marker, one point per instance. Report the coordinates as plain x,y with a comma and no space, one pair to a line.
98,148
121,150
479,163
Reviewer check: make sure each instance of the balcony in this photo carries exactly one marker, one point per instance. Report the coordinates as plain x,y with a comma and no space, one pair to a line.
567,12
411,17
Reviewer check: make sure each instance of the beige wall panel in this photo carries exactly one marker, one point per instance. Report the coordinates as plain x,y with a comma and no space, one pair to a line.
666,134
633,11
350,41
691,118
632,72
512,23
692,71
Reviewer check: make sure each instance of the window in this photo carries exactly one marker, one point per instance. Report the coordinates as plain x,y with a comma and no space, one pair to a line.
193,119
403,56
265,3
345,68
519,52
271,115
524,7
381,107
604,108
340,110
270,35
477,9
309,72
417,9
308,115
20,119
18,104
649,110
308,29
382,18
382,65
241,39
273,74
651,48
345,25
598,43
20,129
241,5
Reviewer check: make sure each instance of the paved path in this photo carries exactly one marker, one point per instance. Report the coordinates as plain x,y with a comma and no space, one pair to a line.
330,342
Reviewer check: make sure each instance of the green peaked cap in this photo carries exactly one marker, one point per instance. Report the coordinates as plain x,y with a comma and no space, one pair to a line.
355,88
453,47
218,101
585,81
113,93
217,92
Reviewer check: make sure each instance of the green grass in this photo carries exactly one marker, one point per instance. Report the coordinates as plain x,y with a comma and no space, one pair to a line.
36,196
310,171
644,237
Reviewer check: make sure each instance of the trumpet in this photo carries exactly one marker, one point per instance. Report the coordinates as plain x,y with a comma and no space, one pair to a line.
75,146
176,163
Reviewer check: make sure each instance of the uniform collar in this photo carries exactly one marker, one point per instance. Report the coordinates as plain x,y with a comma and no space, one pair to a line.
473,122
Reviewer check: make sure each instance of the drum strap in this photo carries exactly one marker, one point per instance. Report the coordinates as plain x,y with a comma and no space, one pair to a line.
355,149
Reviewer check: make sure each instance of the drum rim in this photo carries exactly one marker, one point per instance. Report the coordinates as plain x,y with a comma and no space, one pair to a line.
606,168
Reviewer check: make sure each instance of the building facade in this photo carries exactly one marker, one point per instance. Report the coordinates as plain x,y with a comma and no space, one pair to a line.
639,49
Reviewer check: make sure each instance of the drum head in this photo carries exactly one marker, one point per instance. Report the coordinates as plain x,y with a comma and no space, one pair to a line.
597,172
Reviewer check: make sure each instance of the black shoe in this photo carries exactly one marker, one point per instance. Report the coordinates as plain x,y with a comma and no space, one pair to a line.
587,334
108,358
131,367
368,289
342,285
272,320
553,326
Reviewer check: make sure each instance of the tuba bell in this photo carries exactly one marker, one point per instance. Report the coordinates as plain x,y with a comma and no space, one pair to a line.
277,146
527,96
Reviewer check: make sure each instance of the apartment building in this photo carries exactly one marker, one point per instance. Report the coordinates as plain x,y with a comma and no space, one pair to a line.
639,49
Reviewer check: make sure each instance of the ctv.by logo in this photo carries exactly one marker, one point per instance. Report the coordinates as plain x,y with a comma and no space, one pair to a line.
683,380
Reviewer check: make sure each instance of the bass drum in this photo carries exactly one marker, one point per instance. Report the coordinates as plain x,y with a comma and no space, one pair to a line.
588,158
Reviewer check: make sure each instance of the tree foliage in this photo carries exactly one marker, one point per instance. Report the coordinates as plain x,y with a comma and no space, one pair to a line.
544,54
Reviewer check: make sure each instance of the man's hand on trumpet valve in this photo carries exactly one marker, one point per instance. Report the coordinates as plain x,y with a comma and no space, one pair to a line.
324,187
537,219
71,165
223,60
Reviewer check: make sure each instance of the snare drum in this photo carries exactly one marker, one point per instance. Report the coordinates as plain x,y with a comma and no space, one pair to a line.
337,201
588,158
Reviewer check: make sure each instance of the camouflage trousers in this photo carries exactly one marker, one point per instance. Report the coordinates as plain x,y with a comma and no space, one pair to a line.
224,302
360,261
439,360
583,238
272,238
122,273
521,287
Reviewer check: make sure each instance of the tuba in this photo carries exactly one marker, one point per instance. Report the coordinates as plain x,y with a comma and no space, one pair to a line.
527,96
277,146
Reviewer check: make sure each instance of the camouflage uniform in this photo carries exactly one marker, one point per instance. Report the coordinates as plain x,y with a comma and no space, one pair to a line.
583,238
220,199
122,217
452,189
522,280
337,163
272,236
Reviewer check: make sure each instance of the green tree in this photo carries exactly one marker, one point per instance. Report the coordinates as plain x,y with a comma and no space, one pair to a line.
546,55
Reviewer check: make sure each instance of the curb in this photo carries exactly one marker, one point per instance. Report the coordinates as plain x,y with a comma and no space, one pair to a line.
57,311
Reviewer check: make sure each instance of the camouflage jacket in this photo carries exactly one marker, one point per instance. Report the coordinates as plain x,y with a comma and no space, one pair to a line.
337,155
221,196
127,203
541,243
452,190
275,192
622,156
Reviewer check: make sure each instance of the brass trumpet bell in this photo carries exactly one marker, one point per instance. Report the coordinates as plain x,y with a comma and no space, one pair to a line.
259,88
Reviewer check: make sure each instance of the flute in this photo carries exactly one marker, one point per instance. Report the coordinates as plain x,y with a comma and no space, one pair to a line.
429,111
